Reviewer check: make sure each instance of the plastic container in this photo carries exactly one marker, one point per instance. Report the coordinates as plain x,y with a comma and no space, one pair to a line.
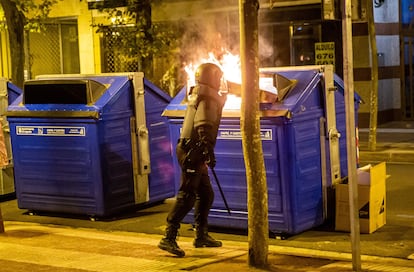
293,148
90,145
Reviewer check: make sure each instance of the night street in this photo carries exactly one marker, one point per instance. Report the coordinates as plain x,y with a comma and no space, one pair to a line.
395,239
113,114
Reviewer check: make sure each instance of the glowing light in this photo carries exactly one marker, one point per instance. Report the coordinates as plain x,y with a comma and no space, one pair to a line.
230,65
233,102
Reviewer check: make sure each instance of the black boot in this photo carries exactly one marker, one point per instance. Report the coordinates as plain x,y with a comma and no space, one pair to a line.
169,244
204,240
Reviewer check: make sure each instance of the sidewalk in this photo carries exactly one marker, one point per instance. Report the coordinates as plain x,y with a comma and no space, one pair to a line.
394,143
53,243
34,247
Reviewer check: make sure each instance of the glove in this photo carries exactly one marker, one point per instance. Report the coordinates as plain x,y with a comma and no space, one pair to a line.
196,155
208,149
209,156
211,162
193,157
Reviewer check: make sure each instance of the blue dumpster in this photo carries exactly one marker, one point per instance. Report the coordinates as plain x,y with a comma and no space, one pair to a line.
91,145
9,92
294,149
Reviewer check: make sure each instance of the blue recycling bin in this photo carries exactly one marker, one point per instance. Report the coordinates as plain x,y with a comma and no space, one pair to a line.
293,149
92,145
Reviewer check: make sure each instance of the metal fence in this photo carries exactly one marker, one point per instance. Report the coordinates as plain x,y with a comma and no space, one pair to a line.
54,50
118,51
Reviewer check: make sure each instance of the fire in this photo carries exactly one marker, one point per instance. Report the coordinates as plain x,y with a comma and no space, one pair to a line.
233,102
230,65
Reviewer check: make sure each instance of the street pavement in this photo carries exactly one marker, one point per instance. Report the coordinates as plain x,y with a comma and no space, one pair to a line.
128,242
394,143
39,247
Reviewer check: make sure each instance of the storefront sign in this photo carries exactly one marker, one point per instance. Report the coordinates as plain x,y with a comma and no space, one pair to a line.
325,53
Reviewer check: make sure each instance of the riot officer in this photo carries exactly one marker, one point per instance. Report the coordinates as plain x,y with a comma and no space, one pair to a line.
195,153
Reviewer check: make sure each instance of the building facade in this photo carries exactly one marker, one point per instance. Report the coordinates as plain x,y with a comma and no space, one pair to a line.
291,33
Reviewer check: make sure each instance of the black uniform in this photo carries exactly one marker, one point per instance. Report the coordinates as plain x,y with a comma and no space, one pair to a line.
195,152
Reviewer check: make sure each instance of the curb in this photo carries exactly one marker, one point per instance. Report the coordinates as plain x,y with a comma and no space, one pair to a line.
340,256
200,258
388,156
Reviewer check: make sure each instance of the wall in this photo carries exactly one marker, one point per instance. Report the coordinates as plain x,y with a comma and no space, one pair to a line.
87,45
386,20
388,44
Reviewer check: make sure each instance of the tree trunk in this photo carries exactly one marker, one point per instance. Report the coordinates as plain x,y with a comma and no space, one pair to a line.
1,222
373,101
349,96
143,13
258,226
15,25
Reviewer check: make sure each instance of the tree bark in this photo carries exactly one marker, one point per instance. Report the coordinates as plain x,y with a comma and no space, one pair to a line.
349,96
373,101
258,226
1,222
143,18
15,20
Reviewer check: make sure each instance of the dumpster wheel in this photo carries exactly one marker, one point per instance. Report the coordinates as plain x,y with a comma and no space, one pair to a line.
279,235
31,213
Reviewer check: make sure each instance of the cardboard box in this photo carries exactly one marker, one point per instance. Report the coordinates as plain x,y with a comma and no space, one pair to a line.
371,200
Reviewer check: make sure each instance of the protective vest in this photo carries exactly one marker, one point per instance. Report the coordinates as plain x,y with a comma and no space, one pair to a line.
205,105
204,110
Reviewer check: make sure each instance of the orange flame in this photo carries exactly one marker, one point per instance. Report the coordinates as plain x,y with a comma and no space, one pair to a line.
229,64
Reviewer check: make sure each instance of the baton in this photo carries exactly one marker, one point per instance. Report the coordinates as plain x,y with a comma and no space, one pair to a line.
221,191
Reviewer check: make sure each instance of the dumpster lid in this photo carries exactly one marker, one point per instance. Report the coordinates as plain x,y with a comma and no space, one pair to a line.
296,87
62,91
101,95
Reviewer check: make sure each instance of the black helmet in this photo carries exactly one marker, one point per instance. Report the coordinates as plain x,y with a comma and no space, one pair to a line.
209,74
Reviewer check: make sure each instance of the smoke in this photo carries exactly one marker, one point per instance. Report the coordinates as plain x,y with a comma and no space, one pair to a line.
266,50
199,39
212,31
